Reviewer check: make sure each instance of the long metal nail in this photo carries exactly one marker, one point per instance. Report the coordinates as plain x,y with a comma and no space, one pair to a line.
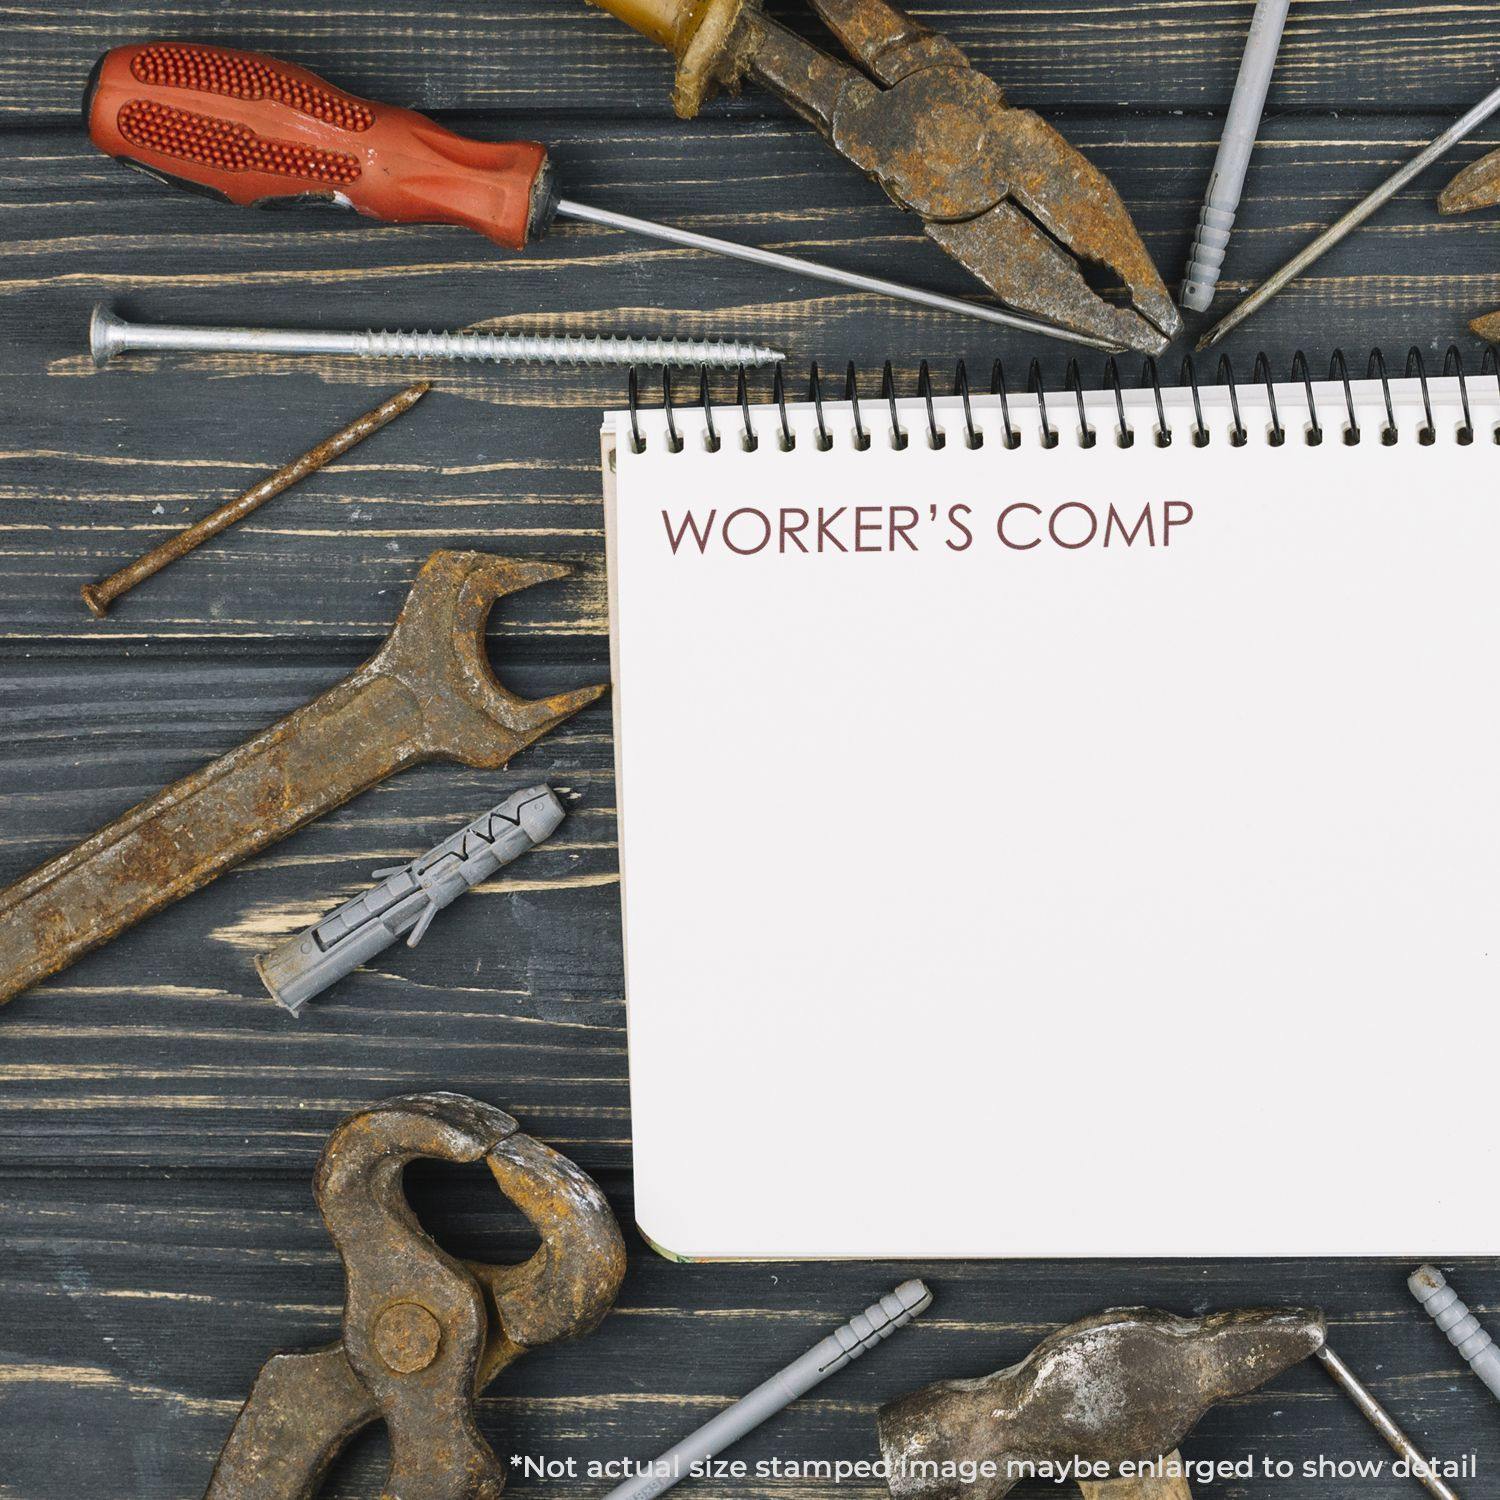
1383,1423
110,335
99,596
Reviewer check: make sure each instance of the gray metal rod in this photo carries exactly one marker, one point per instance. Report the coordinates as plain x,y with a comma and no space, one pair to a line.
881,288
1354,218
894,1310
1382,1421
1227,181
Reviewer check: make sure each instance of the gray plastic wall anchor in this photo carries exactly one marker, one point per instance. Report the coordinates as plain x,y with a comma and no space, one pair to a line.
844,1345
407,899
1430,1288
1227,181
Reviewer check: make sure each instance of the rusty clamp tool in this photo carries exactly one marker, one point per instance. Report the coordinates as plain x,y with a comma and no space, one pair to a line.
428,694
423,1333
998,188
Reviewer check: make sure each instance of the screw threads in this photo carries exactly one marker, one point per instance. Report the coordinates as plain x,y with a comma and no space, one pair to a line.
536,349
1444,1306
110,336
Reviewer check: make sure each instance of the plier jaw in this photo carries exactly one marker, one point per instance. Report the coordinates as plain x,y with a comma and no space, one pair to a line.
1476,187
999,189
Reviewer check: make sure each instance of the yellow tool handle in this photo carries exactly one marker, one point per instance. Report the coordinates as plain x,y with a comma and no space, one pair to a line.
670,22
700,34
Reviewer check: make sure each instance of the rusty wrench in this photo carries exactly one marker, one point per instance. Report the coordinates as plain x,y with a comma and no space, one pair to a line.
428,694
423,1333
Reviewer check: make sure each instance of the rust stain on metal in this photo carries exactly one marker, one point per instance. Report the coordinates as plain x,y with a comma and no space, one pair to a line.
996,187
429,693
99,596
423,1334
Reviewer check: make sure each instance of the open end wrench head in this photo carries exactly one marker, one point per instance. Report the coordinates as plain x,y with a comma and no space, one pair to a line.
438,649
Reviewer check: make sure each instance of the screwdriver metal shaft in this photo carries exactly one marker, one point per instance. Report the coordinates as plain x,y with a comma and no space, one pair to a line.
754,255
1356,216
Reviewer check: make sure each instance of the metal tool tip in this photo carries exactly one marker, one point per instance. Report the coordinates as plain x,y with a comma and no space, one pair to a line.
105,330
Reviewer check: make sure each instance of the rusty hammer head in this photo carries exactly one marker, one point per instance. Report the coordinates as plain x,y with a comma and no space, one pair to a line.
1123,1387
437,652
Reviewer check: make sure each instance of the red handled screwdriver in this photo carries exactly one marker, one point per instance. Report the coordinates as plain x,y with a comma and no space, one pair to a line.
258,132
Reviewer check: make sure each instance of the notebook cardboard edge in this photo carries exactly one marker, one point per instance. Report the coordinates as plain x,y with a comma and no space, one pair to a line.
608,450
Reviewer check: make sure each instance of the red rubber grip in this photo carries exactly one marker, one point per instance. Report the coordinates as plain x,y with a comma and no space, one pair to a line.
258,131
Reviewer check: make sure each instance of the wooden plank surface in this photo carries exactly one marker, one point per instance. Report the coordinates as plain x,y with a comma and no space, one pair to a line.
159,1117
560,57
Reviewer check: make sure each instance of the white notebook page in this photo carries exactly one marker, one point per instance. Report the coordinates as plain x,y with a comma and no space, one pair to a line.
1132,898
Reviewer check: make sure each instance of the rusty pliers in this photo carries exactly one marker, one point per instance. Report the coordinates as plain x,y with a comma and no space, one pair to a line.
423,1333
1476,187
996,187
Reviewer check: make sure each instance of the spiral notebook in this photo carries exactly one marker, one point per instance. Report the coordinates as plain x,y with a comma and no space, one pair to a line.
1066,825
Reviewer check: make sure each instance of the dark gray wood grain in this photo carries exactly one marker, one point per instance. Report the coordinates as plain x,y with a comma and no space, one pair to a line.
160,1117
543,57
95,466
148,1316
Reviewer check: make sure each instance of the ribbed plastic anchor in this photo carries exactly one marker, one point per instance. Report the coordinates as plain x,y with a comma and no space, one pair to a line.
1444,1306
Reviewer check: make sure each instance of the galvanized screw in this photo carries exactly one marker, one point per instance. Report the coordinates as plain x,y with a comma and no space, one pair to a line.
1430,1288
110,335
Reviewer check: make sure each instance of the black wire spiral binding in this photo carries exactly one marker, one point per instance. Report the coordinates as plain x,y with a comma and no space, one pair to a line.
1453,364
1124,433
1012,438
1149,376
1262,372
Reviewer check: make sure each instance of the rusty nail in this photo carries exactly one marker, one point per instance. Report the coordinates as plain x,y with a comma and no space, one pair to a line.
99,596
